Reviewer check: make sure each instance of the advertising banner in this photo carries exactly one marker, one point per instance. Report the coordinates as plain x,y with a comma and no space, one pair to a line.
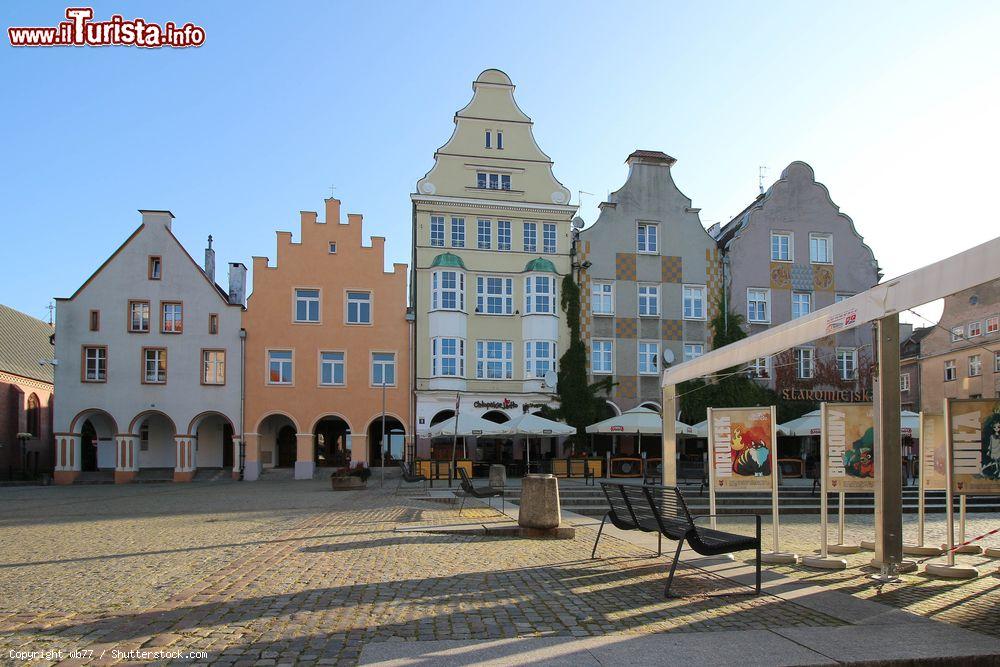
742,448
933,453
849,438
975,440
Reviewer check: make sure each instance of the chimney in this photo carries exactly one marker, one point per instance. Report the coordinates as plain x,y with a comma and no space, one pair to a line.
237,283
210,260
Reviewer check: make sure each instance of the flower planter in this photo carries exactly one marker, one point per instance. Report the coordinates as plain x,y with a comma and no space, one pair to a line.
349,483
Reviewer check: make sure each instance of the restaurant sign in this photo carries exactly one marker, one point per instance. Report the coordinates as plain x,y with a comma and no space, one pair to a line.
827,395
505,404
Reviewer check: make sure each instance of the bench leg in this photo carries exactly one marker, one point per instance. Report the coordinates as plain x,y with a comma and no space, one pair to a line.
599,531
758,568
673,567
659,544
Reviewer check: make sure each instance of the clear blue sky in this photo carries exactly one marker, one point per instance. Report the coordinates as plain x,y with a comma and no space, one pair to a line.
894,104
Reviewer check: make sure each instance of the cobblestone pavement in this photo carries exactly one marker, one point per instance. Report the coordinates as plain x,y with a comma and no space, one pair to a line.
289,572
971,604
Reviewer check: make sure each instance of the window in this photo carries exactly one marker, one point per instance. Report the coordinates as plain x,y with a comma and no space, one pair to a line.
279,366
693,350
505,182
494,360
213,367
841,297
603,299
821,248
499,140
801,304
975,329
494,181
138,316
539,358
448,290
95,320
548,238
154,365
437,230
494,295
359,308
448,357
996,362
694,302
758,305
992,324
155,267
503,234
481,180
488,137
383,368
307,305
957,333
601,356
213,323
904,382
32,416
847,363
649,356
539,295
488,181
331,369
975,365
171,317
950,371
760,367
649,300
531,237
804,362
646,238
95,363
781,247
333,248
485,235
458,232
144,437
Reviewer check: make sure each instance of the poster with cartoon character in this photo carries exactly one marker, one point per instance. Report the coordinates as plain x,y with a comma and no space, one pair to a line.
933,450
742,448
849,438
975,446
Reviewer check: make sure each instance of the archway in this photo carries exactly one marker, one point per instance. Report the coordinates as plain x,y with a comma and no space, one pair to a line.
393,443
97,431
442,416
651,405
214,443
156,434
333,442
277,441
439,449
496,417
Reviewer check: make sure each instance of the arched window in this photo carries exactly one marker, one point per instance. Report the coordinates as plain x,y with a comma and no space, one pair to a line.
33,416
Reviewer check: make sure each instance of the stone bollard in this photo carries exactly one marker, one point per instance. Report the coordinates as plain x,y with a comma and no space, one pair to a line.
498,476
539,509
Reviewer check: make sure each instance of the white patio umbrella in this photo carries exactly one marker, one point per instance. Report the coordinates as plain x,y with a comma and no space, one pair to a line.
641,421
466,425
809,424
701,429
528,424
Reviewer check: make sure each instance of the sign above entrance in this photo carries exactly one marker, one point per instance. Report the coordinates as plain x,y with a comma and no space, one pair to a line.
827,395
505,404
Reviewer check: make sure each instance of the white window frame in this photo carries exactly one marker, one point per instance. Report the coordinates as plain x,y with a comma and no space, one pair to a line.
532,359
281,362
213,367
996,361
755,297
488,141
307,300
814,248
439,291
595,355
993,324
505,360
809,303
975,365
484,297
804,371
975,329
333,364
484,234
950,369
697,295
550,238
131,316
457,232
904,382
530,230
95,358
847,359
159,359
841,296
693,350
760,368
651,296
646,242
791,246
503,235
957,334
383,365
499,140
599,297
353,300
437,231
648,357
532,296
439,356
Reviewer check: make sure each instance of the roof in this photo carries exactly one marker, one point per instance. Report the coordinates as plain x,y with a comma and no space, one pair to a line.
448,259
540,264
728,230
23,341
650,155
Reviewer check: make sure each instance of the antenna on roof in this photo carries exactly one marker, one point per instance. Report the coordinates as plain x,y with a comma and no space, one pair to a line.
579,196
51,307
332,188
209,241
761,170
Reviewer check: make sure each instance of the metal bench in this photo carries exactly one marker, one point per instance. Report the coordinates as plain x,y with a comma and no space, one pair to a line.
479,492
622,517
409,476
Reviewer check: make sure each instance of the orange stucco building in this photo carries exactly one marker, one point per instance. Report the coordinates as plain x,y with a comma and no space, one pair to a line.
326,328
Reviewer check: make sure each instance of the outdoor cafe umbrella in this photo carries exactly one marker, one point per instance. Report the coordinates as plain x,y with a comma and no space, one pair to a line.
809,424
466,425
641,421
529,424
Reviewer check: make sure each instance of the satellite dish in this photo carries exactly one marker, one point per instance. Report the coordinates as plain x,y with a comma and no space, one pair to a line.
550,379
668,356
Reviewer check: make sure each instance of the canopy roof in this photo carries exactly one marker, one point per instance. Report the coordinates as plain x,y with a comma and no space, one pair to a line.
467,425
529,424
809,424
637,420
448,259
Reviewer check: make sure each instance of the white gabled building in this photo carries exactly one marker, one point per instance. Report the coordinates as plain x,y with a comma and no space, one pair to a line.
149,367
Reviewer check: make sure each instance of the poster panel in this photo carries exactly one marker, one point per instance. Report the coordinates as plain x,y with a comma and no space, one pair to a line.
933,452
742,448
850,446
975,433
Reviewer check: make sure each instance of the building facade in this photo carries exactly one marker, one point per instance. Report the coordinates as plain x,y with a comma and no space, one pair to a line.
910,343
25,394
653,282
787,254
326,327
149,362
960,357
491,244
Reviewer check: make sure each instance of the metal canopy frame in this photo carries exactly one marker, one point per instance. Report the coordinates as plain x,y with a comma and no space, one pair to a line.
881,304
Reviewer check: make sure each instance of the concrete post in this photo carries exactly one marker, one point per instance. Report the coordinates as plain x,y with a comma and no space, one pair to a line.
668,457
237,441
68,454
888,452
126,457
184,465
305,462
251,466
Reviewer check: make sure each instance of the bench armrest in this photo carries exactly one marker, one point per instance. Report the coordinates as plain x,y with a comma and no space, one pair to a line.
757,518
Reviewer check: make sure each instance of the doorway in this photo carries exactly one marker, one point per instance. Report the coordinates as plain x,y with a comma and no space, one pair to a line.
286,447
